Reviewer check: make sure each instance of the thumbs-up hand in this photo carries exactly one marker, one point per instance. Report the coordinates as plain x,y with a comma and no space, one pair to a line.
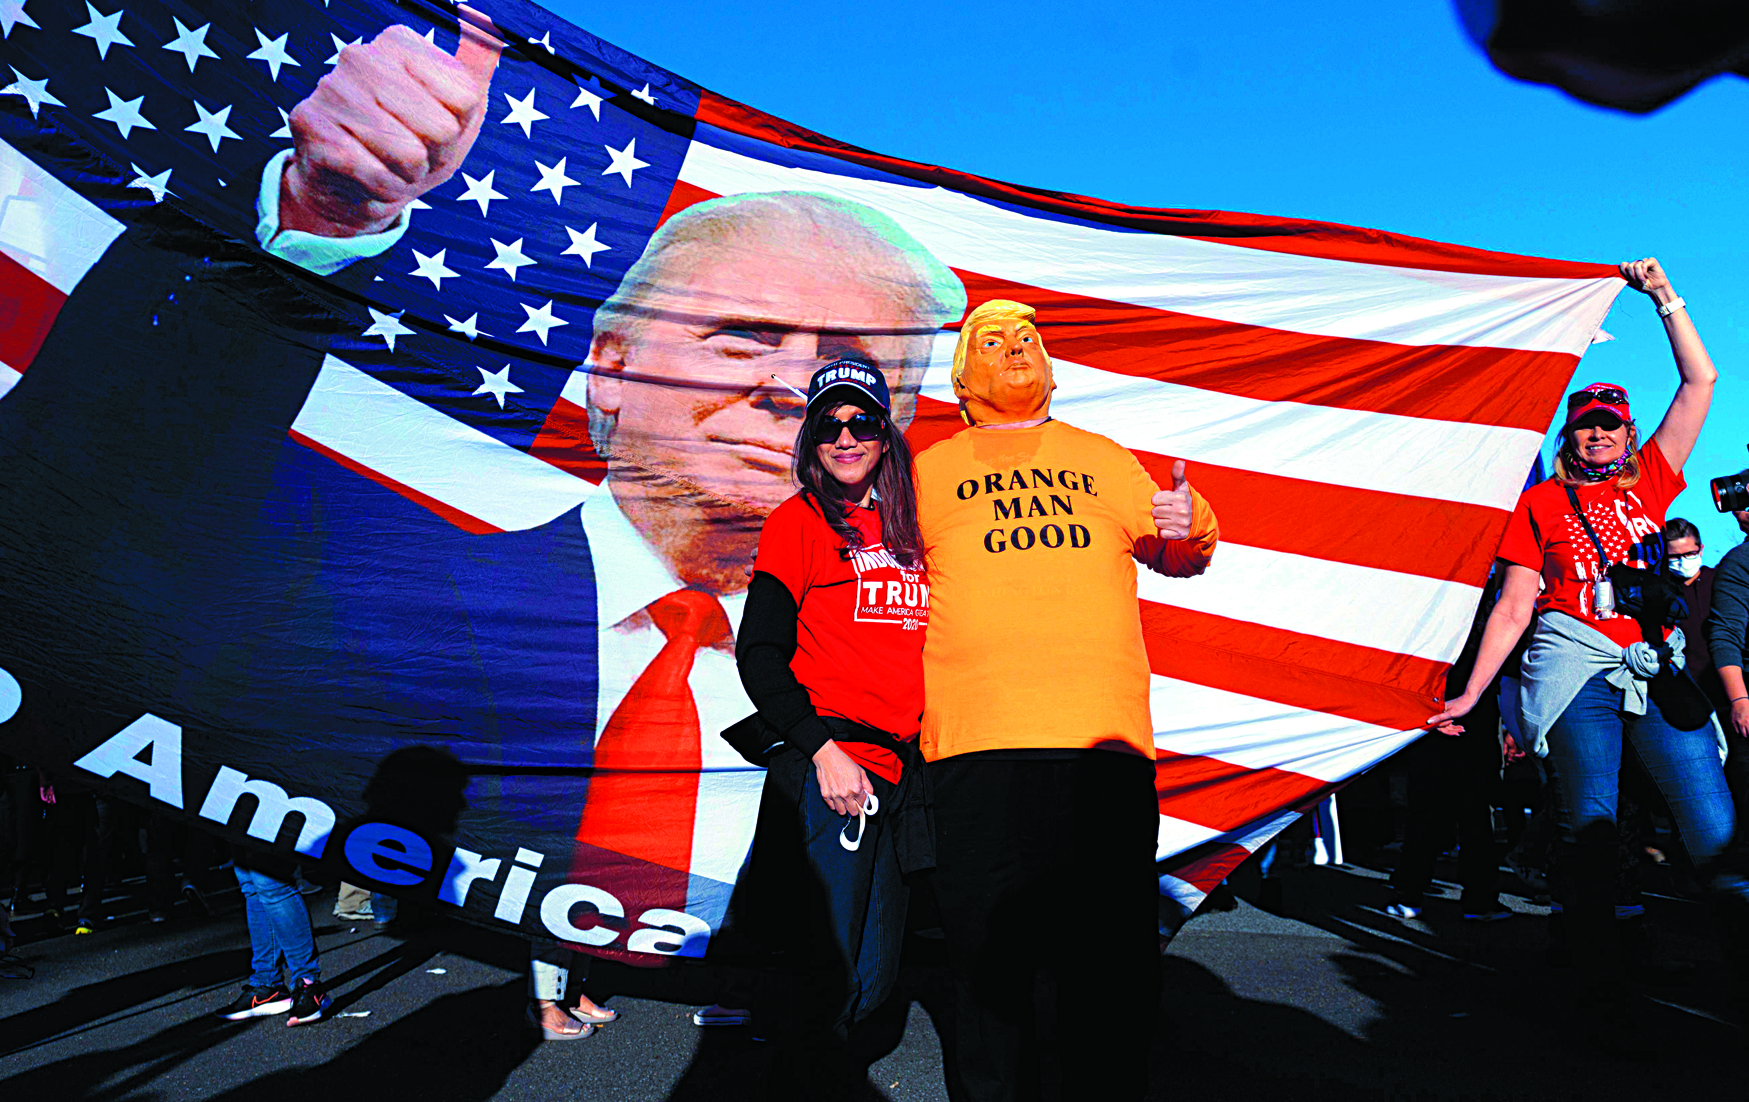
394,119
1172,508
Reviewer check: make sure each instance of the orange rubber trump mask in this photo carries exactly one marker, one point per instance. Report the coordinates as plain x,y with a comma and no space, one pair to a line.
1001,373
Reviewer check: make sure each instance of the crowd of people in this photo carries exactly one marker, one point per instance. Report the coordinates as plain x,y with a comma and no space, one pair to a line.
1605,660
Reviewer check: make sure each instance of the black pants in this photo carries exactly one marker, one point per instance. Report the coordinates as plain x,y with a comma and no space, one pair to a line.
83,828
842,913
1045,861
1454,779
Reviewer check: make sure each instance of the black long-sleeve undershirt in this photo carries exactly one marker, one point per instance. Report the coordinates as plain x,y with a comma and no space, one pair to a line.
764,647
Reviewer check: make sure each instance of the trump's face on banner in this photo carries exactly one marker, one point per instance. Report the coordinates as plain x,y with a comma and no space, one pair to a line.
729,294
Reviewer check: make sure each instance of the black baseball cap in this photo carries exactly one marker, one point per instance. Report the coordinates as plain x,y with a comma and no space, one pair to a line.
852,374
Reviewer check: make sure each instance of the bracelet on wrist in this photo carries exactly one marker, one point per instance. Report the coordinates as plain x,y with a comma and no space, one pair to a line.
1665,309
1737,698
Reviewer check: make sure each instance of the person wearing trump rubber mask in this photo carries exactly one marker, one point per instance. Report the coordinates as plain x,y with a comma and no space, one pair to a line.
1036,717
830,652
1584,551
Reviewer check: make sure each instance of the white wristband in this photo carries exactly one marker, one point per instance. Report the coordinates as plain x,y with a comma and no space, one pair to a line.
1671,307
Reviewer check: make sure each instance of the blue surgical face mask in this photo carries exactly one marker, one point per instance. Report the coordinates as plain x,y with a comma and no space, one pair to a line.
1685,566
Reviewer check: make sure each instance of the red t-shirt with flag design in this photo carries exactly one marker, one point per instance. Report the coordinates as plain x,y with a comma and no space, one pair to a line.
1545,535
860,624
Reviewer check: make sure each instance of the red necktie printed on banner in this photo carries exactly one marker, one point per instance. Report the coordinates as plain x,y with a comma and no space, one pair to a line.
643,792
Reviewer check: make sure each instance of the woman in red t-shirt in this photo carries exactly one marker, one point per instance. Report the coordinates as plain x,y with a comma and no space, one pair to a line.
830,650
1587,674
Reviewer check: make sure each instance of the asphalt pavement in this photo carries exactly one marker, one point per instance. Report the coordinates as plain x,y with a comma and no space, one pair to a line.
1328,999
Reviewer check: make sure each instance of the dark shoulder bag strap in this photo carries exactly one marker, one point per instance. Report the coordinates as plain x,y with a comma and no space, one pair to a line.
1602,589
1595,542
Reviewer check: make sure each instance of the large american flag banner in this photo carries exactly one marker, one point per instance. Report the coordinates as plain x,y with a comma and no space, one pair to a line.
276,510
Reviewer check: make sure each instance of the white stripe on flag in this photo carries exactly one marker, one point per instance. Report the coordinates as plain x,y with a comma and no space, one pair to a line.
722,827
1400,613
47,226
1301,294
8,379
1388,452
401,438
1178,835
1249,731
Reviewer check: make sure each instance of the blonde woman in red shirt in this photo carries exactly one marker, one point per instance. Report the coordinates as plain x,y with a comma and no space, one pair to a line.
1584,552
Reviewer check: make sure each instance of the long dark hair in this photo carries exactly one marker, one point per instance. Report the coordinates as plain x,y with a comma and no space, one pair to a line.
895,489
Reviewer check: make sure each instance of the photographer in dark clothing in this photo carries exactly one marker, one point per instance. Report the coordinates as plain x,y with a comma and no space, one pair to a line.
1727,636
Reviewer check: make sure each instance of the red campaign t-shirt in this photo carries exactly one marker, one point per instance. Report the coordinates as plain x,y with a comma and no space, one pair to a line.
1545,535
860,624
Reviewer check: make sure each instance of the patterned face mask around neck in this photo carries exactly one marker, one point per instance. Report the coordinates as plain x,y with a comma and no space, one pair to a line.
1583,470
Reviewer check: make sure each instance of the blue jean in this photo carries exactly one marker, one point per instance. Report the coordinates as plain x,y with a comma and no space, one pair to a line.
279,929
1585,757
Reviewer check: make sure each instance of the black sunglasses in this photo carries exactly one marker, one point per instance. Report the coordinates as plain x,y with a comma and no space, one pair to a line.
862,426
1610,395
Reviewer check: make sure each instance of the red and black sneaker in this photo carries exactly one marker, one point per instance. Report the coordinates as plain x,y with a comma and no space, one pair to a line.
310,1003
257,1002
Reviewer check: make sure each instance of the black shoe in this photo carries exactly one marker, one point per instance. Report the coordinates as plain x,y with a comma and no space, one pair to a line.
197,900
310,1004
257,1002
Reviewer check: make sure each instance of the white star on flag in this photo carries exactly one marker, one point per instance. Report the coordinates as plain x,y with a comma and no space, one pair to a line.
125,114
386,326
158,185
523,113
431,267
468,328
553,179
212,124
340,44
586,98
284,130
584,245
545,41
480,191
497,384
625,161
645,95
11,15
510,257
191,44
539,321
105,30
273,52
35,92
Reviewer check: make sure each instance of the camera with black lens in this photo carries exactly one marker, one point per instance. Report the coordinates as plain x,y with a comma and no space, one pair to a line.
1731,492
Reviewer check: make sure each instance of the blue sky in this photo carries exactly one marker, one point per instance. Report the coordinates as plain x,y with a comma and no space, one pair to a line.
1379,114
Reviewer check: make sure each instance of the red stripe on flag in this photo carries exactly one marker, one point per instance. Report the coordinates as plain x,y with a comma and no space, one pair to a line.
1483,386
1396,691
564,442
1448,540
684,195
1252,231
1209,866
1315,519
28,307
466,522
1223,796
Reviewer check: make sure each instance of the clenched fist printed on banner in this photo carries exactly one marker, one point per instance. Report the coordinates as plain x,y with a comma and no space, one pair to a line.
395,118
